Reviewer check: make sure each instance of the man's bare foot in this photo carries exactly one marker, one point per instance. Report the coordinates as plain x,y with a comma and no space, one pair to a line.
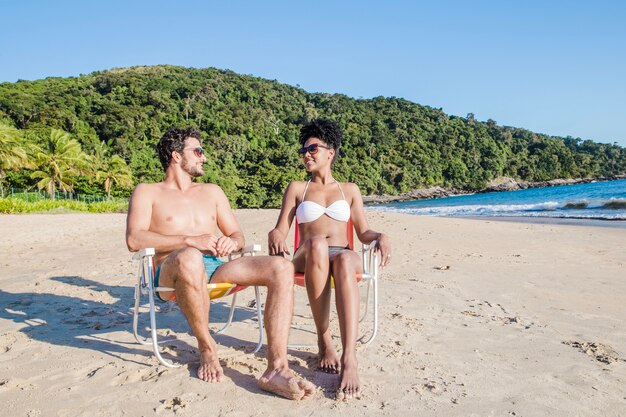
349,385
286,384
210,369
328,360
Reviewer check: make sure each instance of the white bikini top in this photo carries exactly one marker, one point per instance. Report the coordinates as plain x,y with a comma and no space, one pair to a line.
309,211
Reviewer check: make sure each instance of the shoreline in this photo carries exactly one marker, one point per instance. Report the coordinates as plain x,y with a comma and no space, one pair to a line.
562,221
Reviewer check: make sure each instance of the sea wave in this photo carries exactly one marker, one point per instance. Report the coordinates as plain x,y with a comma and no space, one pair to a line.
611,209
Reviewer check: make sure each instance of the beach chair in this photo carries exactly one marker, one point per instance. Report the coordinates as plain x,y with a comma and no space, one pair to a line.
370,260
145,287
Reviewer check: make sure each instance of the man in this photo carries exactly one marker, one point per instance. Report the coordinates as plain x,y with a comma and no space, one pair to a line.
181,220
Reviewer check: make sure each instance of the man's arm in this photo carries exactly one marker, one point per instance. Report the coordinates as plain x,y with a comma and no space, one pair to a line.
232,239
139,236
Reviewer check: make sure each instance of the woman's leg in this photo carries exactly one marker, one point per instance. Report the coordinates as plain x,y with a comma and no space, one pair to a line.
312,258
345,265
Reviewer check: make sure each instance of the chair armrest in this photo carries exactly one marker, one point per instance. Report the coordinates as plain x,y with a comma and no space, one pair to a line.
370,258
251,249
141,253
369,246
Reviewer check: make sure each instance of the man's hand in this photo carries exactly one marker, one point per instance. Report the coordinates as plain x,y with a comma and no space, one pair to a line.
276,243
225,246
206,243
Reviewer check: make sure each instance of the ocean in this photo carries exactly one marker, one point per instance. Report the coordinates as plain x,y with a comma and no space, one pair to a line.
604,200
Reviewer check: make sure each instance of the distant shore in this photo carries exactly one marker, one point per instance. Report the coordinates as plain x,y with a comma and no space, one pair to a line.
496,185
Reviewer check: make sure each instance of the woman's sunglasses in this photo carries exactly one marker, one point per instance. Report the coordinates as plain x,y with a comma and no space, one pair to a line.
311,149
196,151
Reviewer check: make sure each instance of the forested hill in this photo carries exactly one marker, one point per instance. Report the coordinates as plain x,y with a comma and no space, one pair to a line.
251,125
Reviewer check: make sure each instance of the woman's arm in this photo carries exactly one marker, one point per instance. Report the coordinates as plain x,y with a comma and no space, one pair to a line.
362,228
276,243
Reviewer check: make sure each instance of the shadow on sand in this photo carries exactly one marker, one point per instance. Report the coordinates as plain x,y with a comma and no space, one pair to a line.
96,325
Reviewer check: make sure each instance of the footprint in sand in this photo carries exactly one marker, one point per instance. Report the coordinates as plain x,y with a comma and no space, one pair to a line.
409,322
7,340
495,313
439,389
598,351
176,404
130,376
242,366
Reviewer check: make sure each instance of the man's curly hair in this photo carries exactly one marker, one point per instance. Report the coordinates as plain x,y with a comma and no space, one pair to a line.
324,129
174,140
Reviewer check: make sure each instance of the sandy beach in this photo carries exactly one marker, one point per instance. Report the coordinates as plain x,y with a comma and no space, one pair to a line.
528,320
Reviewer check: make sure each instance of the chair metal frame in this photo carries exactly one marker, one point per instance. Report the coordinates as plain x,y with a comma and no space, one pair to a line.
145,286
370,261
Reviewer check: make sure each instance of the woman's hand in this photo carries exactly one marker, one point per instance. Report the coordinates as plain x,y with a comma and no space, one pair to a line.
383,246
276,243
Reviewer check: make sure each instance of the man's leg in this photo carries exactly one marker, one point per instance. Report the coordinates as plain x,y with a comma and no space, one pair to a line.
345,265
184,271
276,274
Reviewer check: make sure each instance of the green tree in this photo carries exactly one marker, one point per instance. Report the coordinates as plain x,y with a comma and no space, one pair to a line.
13,154
58,160
251,129
114,171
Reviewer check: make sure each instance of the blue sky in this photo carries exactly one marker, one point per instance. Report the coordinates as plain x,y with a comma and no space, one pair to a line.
554,67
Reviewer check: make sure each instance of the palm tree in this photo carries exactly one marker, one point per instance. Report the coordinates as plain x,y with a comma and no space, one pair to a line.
12,151
58,160
114,171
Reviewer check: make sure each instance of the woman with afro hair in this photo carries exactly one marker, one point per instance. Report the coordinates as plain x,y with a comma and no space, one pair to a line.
322,207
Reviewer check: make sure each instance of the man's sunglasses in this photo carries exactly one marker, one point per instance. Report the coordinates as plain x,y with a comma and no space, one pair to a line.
311,149
197,151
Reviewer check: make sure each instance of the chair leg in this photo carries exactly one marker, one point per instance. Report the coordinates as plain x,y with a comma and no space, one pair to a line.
139,339
259,312
259,315
146,271
375,308
230,314
367,299
153,332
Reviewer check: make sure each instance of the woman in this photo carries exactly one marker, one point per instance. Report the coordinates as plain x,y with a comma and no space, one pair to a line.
322,207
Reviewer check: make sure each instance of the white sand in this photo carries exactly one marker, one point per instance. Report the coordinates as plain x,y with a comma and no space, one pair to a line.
527,321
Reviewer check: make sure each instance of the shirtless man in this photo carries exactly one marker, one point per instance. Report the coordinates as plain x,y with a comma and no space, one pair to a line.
181,220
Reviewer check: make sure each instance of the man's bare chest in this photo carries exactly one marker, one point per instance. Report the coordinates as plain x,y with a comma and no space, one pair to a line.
183,214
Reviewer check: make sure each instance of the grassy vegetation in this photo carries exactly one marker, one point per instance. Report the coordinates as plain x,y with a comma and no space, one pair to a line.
18,205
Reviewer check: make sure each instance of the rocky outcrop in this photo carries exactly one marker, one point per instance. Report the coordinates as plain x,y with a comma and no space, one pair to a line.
419,194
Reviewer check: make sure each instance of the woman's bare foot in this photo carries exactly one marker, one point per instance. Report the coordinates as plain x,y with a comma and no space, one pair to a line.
349,385
328,360
284,383
210,369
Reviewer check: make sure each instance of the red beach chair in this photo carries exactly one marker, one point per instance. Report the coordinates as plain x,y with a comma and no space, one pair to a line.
370,260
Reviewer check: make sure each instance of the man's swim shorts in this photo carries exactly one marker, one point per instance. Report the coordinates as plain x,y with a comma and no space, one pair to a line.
211,263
